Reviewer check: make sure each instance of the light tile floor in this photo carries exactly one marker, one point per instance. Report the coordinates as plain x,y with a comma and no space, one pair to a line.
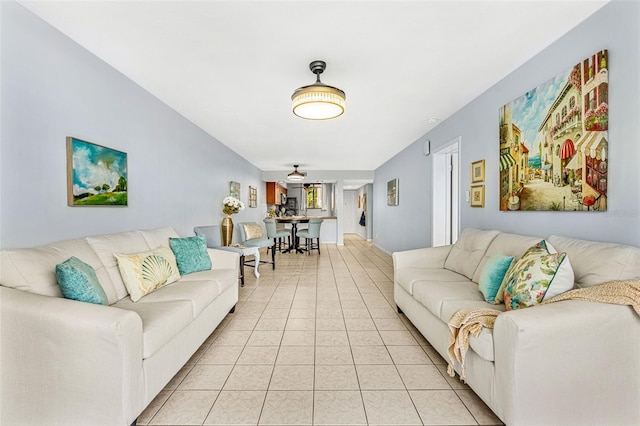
318,341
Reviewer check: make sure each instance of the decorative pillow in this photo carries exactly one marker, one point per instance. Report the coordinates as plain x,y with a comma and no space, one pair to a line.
145,272
492,276
540,273
78,281
191,254
253,231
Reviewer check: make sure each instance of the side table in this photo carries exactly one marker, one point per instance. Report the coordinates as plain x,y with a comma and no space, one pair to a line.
243,252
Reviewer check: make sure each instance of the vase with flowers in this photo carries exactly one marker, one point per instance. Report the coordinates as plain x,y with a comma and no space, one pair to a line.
231,205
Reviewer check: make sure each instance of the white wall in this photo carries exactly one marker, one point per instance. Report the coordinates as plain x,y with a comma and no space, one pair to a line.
53,88
615,27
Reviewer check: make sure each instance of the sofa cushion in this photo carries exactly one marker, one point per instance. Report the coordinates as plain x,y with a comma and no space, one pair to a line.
433,294
493,273
145,272
34,269
78,281
540,273
159,237
466,253
406,277
191,254
508,245
224,278
161,321
594,263
199,294
105,247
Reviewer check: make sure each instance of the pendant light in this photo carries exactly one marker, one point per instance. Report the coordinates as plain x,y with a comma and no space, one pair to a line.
295,174
318,101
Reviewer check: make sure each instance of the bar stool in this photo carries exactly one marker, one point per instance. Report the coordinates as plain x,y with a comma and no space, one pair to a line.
276,234
310,234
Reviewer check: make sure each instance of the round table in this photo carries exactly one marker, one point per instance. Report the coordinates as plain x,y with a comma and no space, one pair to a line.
294,221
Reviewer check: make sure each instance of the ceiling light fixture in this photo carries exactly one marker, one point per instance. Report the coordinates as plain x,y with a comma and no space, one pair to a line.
295,174
318,101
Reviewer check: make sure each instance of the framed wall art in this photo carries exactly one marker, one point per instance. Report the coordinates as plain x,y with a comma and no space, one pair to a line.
96,175
554,141
477,196
253,196
392,192
234,189
477,171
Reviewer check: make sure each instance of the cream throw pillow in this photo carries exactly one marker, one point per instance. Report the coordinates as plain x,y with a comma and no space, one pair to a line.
253,231
145,272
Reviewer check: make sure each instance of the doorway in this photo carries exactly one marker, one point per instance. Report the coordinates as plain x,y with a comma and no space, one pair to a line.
445,225
349,212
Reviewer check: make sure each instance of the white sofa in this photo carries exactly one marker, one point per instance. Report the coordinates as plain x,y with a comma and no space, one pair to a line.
565,363
65,362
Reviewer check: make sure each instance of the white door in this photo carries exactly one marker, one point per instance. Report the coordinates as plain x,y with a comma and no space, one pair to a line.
446,194
349,212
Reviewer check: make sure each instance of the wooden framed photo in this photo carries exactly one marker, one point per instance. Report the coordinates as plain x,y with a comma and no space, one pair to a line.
477,171
253,196
477,196
96,175
234,189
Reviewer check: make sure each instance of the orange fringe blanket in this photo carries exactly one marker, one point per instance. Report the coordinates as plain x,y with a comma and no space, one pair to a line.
471,321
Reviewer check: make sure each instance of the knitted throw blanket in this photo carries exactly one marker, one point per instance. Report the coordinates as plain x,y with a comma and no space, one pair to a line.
470,321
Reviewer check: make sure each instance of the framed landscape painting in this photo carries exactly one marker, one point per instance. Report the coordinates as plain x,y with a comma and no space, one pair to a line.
96,175
392,192
554,142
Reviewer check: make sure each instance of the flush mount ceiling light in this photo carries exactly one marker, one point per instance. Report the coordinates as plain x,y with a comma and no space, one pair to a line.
295,174
318,101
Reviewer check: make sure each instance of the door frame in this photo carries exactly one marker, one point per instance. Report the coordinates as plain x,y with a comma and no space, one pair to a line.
445,224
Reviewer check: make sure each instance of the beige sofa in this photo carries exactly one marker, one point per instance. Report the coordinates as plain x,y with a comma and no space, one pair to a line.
565,363
65,362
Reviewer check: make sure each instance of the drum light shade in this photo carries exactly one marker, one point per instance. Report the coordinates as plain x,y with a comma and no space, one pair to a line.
295,174
318,101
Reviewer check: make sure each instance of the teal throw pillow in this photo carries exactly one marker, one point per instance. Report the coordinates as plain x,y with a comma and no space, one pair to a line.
78,281
191,254
492,275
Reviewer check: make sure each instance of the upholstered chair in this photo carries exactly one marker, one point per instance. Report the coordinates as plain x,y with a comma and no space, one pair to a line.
252,235
310,234
277,234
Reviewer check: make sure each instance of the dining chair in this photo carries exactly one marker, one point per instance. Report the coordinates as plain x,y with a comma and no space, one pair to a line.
252,235
310,234
276,234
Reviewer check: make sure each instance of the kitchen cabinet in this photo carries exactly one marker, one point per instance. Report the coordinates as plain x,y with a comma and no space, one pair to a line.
275,192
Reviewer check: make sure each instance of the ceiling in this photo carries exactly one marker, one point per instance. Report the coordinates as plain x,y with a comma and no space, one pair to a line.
230,67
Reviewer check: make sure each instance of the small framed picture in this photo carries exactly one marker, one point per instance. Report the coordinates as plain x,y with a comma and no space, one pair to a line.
477,196
477,171
253,196
392,192
234,189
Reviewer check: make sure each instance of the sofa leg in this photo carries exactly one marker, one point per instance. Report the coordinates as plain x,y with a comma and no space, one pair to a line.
399,310
233,309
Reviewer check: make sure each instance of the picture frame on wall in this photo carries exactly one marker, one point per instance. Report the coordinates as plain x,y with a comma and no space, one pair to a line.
477,196
234,189
392,192
477,171
253,196
96,175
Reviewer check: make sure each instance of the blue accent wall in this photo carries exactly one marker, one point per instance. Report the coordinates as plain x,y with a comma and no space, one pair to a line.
615,27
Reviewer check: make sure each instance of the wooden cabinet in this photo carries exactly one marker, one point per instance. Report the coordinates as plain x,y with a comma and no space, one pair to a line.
275,192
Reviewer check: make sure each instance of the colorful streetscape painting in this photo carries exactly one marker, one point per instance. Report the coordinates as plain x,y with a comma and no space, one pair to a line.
554,142
96,175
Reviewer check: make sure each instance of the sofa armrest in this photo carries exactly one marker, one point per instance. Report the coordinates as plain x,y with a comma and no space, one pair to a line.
223,259
428,257
576,362
68,362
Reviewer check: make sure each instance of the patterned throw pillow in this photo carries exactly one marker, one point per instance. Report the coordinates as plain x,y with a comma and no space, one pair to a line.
191,254
78,281
253,231
540,273
492,275
145,272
